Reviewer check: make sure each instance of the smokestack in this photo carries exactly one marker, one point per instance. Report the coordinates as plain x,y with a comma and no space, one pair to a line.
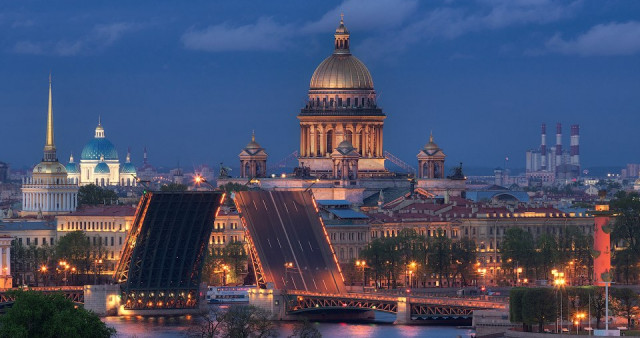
575,145
558,144
543,148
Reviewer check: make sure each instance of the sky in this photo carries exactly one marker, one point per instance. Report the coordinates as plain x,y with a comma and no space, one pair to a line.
192,80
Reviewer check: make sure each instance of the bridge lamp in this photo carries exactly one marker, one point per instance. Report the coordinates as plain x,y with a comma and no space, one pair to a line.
43,269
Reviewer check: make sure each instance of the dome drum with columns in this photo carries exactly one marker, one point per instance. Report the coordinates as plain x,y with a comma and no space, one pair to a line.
341,107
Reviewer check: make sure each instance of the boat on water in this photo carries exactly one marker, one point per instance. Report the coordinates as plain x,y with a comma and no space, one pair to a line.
228,294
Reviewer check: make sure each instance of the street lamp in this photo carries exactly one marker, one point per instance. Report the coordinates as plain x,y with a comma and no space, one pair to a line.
362,264
559,282
225,269
579,317
287,266
518,272
483,273
65,267
97,271
412,267
43,270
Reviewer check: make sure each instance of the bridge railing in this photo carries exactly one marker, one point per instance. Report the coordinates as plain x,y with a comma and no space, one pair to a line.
448,301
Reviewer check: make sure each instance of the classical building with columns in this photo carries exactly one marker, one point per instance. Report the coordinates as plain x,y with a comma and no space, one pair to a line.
49,191
341,107
6,281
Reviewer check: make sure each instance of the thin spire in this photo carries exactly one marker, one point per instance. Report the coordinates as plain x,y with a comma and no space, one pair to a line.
431,137
253,136
99,119
342,18
49,146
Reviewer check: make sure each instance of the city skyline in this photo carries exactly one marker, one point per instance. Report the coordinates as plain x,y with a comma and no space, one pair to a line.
216,77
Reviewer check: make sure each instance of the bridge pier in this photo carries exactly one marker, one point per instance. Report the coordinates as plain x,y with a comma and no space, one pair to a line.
103,300
403,316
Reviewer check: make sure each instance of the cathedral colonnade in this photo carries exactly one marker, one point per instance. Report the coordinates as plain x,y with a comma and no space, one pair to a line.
320,139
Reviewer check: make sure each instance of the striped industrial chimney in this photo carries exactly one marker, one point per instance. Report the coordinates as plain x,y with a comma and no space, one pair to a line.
543,148
558,144
575,145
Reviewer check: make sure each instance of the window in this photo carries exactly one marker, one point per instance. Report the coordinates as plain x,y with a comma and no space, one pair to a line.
35,241
119,240
112,240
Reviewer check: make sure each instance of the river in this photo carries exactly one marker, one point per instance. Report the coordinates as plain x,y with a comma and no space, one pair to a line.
382,327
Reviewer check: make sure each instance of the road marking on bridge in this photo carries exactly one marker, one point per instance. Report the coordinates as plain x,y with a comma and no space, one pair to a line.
301,249
280,245
255,205
294,205
325,285
310,247
268,241
314,283
265,205
289,241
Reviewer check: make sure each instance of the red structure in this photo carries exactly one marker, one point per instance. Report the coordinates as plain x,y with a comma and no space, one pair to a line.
601,241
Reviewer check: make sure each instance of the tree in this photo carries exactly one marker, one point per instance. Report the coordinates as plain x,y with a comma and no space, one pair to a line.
305,329
546,254
35,314
92,194
235,256
464,257
536,307
518,249
626,229
247,321
173,187
439,256
625,303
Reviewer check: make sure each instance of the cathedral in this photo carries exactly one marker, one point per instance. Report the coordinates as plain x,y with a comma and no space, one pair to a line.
49,191
341,154
99,163
342,112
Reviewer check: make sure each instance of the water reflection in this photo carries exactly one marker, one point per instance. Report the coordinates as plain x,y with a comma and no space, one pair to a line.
179,326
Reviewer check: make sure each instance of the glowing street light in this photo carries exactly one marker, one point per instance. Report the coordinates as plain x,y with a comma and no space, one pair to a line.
362,264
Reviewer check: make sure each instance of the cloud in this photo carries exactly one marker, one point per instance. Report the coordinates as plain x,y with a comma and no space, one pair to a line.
601,40
265,34
451,22
98,38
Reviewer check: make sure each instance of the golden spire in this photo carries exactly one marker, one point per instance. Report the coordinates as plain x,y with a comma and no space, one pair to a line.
342,18
253,136
431,137
49,146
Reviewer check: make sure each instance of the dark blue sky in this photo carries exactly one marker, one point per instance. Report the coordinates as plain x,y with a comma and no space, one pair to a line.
192,81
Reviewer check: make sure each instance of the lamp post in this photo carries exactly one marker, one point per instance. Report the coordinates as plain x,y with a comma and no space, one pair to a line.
483,273
579,317
559,282
518,272
97,271
412,266
361,264
65,266
225,268
43,270
287,266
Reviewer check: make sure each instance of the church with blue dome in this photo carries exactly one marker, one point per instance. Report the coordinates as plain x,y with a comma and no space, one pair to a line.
100,165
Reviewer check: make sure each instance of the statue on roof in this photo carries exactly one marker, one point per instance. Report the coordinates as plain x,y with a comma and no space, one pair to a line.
456,173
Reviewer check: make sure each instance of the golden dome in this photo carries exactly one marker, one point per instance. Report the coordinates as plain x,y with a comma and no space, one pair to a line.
341,71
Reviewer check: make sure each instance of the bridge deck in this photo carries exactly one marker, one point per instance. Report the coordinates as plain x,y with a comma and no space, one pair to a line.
284,226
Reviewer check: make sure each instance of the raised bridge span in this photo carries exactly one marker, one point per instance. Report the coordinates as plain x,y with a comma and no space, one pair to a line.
297,270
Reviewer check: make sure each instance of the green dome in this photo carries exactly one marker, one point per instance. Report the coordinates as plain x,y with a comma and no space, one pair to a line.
101,168
128,168
97,147
72,168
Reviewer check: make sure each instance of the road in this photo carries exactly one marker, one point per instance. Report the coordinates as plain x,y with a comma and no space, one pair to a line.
286,229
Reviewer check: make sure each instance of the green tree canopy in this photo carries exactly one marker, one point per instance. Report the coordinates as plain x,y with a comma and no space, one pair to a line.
50,315
92,194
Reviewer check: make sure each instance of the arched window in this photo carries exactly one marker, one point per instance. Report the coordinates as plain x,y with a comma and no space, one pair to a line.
330,141
102,182
349,136
247,169
258,170
437,170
